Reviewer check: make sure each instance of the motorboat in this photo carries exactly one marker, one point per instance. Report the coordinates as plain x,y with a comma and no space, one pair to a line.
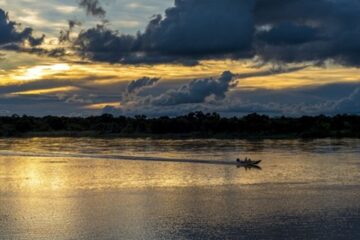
248,162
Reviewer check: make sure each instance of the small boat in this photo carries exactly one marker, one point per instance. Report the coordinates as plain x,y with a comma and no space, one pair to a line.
248,162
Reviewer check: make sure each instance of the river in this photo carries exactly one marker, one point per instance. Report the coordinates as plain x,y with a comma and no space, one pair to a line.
86,188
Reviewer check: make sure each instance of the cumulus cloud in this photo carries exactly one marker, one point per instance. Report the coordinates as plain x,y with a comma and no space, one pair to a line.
196,94
102,44
204,94
276,30
11,35
137,85
192,29
197,91
202,27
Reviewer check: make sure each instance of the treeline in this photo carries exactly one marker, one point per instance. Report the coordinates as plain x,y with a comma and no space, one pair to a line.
196,124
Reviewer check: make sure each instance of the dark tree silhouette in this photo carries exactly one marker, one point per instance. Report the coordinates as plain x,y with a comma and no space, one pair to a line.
195,124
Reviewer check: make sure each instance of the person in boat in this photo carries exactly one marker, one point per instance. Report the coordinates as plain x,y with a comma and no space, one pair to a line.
245,161
239,161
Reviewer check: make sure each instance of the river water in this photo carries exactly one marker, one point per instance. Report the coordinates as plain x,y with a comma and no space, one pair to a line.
64,188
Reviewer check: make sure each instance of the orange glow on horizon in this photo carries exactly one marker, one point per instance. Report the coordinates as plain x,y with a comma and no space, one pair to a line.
29,68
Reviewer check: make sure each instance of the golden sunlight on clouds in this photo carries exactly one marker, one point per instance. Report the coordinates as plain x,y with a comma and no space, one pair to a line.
106,74
100,106
311,76
46,91
30,68
110,74
38,72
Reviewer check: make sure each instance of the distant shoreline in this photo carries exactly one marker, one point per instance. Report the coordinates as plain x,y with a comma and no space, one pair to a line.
196,125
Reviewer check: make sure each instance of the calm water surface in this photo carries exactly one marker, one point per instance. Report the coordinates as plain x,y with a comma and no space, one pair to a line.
66,188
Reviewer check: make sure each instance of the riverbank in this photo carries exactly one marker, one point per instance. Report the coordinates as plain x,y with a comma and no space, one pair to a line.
193,125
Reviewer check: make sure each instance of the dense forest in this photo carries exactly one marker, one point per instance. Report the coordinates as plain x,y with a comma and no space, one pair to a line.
198,124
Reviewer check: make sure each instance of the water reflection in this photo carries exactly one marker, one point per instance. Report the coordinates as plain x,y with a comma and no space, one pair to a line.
171,163
306,190
249,167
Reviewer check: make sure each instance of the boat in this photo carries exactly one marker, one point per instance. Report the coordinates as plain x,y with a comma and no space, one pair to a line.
249,162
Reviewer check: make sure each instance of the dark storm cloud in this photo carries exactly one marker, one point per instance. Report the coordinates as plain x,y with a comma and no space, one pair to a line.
192,29
282,31
10,34
102,44
315,30
93,8
288,34
201,27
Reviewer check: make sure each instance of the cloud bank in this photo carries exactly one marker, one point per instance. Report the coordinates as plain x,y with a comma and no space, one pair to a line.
271,30
197,91
222,95
278,31
190,30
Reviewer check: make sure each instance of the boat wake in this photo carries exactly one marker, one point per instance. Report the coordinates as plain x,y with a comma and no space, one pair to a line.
59,155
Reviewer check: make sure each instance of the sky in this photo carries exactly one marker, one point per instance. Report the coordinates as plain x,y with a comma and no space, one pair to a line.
156,57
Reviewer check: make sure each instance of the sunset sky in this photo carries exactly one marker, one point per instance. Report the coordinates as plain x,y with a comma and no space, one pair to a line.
156,57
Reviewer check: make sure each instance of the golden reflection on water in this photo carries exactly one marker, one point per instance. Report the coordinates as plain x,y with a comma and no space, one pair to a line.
303,187
285,162
31,174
